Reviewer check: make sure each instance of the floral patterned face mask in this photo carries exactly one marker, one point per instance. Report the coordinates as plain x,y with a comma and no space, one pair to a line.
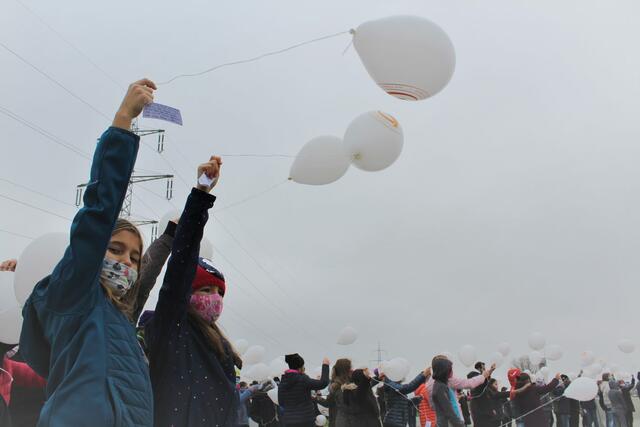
117,276
208,306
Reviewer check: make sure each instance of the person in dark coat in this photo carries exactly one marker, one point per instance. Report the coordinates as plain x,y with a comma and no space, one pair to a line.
589,413
442,397
526,397
463,400
263,411
488,405
360,405
562,406
626,394
192,364
294,392
617,403
395,397
413,405
340,375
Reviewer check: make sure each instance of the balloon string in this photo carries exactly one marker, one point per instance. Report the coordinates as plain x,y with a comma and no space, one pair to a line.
398,391
254,196
531,411
255,58
7,372
285,156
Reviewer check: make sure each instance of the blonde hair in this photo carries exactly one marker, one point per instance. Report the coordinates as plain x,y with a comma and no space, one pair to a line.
127,303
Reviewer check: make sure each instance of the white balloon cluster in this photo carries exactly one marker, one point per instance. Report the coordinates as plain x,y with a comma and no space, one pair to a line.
372,142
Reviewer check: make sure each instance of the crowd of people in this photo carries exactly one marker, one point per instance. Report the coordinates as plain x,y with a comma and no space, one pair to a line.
89,356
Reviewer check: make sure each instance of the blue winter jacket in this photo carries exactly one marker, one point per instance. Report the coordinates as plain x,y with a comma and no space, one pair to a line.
72,333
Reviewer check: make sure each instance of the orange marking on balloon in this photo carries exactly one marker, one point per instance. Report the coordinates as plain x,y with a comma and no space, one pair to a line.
389,118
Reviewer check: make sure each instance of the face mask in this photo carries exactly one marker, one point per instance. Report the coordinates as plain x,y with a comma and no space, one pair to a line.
208,306
117,276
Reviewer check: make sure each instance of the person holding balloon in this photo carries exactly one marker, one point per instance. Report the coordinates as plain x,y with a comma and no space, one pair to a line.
192,363
397,411
77,330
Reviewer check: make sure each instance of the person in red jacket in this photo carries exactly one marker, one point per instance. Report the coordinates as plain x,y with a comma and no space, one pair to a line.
17,373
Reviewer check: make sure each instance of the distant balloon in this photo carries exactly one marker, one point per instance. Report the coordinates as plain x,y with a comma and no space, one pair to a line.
582,389
504,348
396,369
258,372
277,367
496,358
467,355
37,261
536,341
626,346
253,355
241,346
321,161
535,357
10,324
273,395
553,352
347,336
409,57
374,141
321,420
587,358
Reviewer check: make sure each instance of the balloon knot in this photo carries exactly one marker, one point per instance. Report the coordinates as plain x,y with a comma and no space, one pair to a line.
357,156
352,31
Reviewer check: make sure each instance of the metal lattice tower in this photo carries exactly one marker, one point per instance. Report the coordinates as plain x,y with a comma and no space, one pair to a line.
146,132
379,352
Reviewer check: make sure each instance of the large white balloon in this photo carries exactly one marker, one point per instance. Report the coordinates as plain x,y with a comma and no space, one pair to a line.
374,141
553,352
582,389
273,395
535,357
277,367
162,224
467,355
258,372
537,341
409,57
395,369
545,372
38,261
587,358
347,336
496,358
321,420
626,346
206,249
10,325
254,355
321,161
504,348
241,345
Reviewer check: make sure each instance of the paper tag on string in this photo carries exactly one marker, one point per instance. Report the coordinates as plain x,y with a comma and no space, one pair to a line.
205,181
162,112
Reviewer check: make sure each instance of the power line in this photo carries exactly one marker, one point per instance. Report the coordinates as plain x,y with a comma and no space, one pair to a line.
34,207
16,234
51,79
253,196
24,187
74,47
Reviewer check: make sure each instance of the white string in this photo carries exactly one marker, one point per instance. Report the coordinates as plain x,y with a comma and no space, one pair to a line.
246,199
531,411
7,372
255,58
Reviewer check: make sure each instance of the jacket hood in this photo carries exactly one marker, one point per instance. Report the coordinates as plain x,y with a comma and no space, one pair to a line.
290,379
441,369
613,385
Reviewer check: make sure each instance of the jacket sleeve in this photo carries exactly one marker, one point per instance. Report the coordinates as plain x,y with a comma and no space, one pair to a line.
413,385
548,388
327,402
175,293
75,278
440,397
321,383
466,383
152,263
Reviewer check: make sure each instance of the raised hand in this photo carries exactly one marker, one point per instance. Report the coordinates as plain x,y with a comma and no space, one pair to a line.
138,95
9,265
211,170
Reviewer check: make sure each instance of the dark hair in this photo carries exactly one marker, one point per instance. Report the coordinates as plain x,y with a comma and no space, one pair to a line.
214,337
361,394
242,384
523,378
442,369
478,365
340,374
492,381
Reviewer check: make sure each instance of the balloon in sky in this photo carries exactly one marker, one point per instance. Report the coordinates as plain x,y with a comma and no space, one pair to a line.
587,358
273,395
553,352
347,336
162,224
582,389
38,261
545,372
10,324
241,345
504,348
374,141
409,57
206,248
536,341
277,367
535,357
253,355
395,369
258,372
467,355
321,161
626,346
496,358
321,420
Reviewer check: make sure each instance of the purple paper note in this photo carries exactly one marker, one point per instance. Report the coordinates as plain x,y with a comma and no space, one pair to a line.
162,112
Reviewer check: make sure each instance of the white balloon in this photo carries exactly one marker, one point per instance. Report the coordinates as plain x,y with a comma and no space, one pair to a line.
467,355
504,348
241,345
38,261
258,372
545,372
395,369
626,346
11,325
321,161
162,224
374,141
7,296
535,357
273,395
582,389
253,355
409,57
496,358
321,420
553,352
536,341
347,336
277,367
587,358
206,249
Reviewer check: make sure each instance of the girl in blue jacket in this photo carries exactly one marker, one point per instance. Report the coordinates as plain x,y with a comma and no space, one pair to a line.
190,360
77,329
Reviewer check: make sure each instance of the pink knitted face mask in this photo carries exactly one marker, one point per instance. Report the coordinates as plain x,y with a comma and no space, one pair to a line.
208,306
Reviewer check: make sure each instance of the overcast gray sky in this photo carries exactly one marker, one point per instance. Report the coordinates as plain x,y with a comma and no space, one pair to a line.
513,208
